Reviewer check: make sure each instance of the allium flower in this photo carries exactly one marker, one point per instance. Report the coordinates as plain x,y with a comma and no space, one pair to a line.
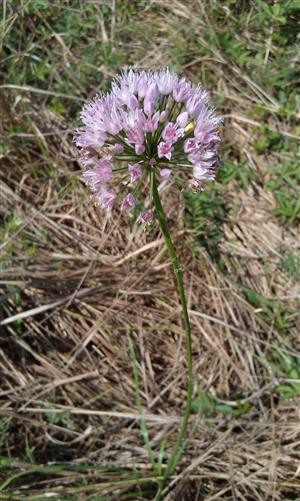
146,216
165,172
135,171
129,201
151,126
150,122
106,198
172,133
165,150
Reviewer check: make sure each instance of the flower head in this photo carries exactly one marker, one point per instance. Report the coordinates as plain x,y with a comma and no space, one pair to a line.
150,123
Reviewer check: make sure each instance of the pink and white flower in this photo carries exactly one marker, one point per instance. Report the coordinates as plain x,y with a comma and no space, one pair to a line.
191,145
150,123
146,216
182,119
135,136
151,96
129,202
106,198
139,149
172,133
118,149
165,150
166,81
182,90
135,171
165,173
102,173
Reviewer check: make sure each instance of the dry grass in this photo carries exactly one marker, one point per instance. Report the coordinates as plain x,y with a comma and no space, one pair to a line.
75,282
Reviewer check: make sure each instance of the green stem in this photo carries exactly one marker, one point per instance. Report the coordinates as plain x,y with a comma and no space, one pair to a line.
139,405
160,214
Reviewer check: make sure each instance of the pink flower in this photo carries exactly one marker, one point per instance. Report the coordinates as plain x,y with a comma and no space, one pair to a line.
132,102
166,81
196,104
106,199
149,107
191,145
100,174
165,173
165,150
171,133
118,149
182,119
151,96
134,119
202,172
143,84
90,138
139,149
125,92
92,177
146,216
151,124
135,136
158,122
205,132
135,171
182,91
128,202
112,121
127,79
105,170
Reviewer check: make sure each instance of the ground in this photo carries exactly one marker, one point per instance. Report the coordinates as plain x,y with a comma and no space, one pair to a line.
77,285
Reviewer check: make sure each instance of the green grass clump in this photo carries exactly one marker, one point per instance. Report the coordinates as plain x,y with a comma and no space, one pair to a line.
284,183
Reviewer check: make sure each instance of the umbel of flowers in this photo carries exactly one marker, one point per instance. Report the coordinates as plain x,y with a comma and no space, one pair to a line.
150,121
